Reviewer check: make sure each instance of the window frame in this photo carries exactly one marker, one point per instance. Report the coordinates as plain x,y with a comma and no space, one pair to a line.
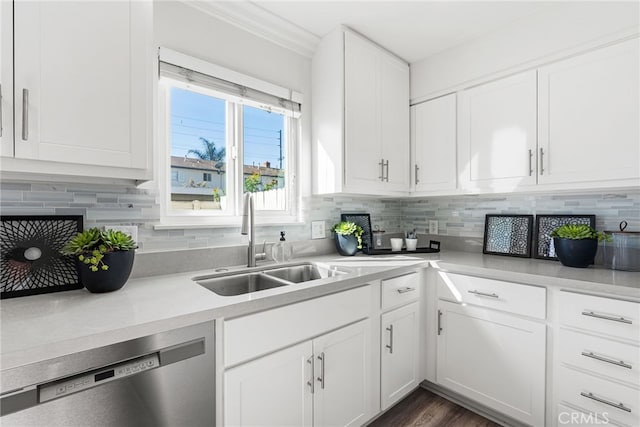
231,214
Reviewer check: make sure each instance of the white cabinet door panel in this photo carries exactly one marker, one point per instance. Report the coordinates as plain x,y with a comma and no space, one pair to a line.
271,390
494,358
434,144
362,124
589,116
498,133
400,353
87,94
394,119
342,360
6,78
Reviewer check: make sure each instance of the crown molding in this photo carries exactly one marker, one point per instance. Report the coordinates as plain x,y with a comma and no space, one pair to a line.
260,22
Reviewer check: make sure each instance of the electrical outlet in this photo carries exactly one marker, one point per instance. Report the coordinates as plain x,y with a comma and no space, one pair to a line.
131,230
433,226
317,230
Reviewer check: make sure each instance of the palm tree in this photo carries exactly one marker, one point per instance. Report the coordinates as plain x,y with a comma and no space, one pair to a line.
209,152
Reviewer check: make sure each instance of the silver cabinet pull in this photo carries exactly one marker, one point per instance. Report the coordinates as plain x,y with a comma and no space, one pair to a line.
386,175
321,377
605,401
605,359
417,168
541,161
25,114
381,164
311,383
390,346
530,162
405,290
483,294
605,317
439,321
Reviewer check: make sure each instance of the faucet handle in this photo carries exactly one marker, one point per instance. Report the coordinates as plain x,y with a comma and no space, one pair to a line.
262,255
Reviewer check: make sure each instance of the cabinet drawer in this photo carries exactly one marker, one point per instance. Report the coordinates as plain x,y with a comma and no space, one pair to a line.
599,396
400,290
601,315
606,357
261,333
506,296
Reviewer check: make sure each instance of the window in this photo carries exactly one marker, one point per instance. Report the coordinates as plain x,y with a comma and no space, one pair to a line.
223,140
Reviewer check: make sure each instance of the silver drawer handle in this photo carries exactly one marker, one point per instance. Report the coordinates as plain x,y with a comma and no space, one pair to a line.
25,114
605,317
605,401
405,290
483,294
390,346
604,359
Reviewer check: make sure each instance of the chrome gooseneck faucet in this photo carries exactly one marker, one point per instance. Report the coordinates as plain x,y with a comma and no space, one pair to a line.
248,216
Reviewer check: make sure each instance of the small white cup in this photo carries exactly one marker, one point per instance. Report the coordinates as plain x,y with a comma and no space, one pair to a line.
396,244
411,244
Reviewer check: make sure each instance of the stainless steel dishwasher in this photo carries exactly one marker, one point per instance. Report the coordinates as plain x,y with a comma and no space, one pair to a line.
166,379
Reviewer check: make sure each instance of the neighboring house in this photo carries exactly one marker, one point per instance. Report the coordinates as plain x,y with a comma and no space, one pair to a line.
195,179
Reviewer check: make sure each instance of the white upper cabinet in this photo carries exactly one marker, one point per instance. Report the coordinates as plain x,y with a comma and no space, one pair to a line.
83,81
433,145
360,121
589,116
498,134
6,78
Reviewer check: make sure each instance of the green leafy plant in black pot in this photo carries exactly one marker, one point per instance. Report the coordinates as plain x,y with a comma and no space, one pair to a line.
576,245
348,237
104,258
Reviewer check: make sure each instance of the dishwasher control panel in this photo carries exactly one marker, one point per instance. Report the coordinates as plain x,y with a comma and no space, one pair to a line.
96,377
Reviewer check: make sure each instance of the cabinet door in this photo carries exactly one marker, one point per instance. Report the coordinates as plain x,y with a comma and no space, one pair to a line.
498,134
271,390
394,122
6,78
342,361
434,144
589,113
399,360
81,77
494,358
363,169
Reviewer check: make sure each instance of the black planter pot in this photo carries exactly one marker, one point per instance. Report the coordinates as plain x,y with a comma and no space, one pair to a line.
576,253
346,245
120,264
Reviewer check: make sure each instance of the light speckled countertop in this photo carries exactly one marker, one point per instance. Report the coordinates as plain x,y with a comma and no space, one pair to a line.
46,326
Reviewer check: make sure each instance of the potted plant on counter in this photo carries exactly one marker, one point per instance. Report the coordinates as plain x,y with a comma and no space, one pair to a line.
348,237
576,244
104,259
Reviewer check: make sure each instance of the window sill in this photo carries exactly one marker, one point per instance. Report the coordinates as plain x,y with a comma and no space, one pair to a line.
234,222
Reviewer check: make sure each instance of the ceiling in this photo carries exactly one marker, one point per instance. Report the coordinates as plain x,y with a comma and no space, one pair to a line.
412,30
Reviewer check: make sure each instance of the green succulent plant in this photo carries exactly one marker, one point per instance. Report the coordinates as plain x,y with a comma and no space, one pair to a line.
579,232
89,246
347,228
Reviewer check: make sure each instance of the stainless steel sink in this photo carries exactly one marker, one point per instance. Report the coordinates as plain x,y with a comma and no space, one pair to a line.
258,279
304,273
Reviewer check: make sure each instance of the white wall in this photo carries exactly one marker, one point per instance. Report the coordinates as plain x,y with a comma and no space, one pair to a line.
184,29
528,41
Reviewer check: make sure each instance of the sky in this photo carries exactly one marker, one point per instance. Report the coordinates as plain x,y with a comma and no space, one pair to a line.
194,115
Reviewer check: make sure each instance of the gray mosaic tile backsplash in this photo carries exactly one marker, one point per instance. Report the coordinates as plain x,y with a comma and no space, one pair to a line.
461,216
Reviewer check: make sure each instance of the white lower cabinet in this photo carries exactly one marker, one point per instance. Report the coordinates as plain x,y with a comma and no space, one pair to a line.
271,390
399,353
320,382
494,358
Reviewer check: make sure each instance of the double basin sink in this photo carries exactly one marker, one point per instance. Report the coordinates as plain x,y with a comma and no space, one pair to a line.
258,279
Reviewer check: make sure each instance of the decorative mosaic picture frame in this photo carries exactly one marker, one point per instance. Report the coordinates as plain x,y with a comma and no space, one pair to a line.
545,224
30,261
364,221
508,235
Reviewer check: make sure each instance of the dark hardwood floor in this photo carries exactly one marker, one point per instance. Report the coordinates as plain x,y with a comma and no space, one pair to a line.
425,409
